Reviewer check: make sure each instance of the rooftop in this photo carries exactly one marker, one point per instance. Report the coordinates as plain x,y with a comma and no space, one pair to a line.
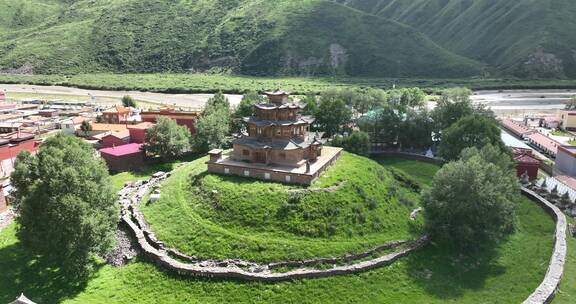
123,150
142,126
516,127
108,127
117,109
544,141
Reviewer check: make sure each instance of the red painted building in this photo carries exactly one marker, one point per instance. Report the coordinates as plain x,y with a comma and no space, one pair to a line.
138,132
183,118
11,145
123,158
526,163
115,139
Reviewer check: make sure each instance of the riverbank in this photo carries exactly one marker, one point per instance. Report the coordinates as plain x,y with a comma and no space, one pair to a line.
232,84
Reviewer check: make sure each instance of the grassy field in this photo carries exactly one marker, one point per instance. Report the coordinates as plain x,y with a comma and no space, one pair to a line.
431,275
230,217
234,84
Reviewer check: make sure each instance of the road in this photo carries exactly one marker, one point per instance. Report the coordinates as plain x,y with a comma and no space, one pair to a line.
524,102
180,100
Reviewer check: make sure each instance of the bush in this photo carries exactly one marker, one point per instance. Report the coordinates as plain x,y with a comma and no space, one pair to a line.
471,202
358,142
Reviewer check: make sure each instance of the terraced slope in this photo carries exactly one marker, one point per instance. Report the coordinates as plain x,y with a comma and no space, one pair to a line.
256,37
530,38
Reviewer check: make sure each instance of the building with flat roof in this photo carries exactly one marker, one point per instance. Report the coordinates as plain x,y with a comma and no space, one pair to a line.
278,145
123,158
138,132
566,160
182,118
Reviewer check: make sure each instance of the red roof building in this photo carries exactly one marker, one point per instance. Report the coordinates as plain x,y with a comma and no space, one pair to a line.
544,143
183,118
138,132
517,128
526,163
123,158
11,145
116,138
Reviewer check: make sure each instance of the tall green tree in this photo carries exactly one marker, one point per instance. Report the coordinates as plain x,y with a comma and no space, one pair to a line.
415,131
453,105
213,126
470,131
471,202
67,209
167,139
128,101
246,106
311,102
85,127
333,115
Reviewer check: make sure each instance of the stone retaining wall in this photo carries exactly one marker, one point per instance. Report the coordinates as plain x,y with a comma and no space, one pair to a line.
171,259
547,289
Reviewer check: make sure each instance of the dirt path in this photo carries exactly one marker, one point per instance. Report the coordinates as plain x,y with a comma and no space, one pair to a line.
181,100
6,218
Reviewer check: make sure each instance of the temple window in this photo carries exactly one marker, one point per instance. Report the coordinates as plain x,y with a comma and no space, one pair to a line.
245,152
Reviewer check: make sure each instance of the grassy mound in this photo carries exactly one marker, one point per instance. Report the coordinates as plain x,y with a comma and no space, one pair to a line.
431,275
231,217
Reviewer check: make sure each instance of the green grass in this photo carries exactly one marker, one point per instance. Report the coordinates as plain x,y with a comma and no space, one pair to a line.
431,275
257,220
561,133
421,172
236,84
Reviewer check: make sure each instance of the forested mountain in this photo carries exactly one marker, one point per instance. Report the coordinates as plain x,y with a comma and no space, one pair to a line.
257,37
382,38
528,38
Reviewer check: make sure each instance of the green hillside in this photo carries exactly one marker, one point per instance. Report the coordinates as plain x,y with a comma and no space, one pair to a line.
528,38
254,37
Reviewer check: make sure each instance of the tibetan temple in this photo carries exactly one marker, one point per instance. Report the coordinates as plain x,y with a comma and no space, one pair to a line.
277,145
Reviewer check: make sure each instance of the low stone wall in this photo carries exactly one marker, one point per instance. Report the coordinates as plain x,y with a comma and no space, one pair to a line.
547,289
171,260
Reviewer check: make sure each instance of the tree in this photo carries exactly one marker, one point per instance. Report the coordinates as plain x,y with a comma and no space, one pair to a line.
67,208
311,102
86,127
167,139
571,104
471,203
246,106
213,126
415,131
470,131
499,156
333,115
245,109
453,105
383,125
358,142
128,101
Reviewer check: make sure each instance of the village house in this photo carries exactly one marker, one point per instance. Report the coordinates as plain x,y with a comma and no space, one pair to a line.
124,158
11,145
278,146
116,115
568,120
138,132
72,125
115,138
182,118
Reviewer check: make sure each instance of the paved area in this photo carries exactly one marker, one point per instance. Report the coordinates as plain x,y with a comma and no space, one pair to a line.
6,218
